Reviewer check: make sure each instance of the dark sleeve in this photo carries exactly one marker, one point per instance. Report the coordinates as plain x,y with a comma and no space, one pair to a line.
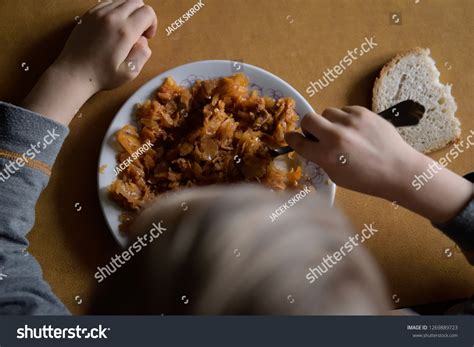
29,144
461,228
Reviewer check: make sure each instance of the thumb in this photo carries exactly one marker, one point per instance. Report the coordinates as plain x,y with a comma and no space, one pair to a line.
136,59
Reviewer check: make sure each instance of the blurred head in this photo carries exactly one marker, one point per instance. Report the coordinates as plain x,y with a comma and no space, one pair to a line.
222,254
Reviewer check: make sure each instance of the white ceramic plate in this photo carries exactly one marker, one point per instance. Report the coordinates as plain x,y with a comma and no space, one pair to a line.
264,81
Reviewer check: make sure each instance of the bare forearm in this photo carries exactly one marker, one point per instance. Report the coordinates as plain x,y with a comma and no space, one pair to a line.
59,94
439,199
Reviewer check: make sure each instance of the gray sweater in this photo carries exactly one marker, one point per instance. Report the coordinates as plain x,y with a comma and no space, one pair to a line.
29,144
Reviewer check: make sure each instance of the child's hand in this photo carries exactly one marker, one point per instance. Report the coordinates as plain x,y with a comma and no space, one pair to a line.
361,151
110,46
358,149
108,49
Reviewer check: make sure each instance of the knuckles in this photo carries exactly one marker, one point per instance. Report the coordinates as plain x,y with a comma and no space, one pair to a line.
307,120
124,33
109,20
149,9
337,137
327,112
357,110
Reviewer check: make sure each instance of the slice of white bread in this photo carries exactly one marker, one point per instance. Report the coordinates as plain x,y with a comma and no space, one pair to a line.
413,75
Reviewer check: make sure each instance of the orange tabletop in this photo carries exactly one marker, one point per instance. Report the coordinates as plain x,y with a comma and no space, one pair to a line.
296,40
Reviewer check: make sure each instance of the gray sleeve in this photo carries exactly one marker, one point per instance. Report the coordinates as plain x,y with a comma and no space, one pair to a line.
29,144
461,228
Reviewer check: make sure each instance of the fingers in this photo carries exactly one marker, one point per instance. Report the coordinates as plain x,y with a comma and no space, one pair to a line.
304,147
355,110
336,115
136,18
109,7
136,59
317,126
144,21
128,7
100,5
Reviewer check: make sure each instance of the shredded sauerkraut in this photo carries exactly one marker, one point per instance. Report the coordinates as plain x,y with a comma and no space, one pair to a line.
217,131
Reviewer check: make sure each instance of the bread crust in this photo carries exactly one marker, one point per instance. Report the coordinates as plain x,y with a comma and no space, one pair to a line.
391,65
384,72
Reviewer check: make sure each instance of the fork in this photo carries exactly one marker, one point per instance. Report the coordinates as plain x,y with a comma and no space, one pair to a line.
405,113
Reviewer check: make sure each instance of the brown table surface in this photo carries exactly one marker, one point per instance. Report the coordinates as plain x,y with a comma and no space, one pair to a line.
296,40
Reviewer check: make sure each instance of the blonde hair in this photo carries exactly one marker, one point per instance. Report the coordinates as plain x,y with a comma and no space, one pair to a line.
222,254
